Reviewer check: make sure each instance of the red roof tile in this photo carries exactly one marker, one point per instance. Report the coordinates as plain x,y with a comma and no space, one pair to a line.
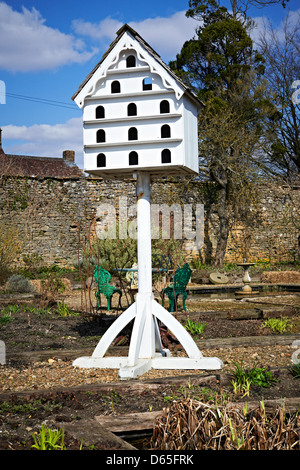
39,167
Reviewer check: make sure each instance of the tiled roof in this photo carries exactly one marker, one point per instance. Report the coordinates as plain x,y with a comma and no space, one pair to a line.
39,167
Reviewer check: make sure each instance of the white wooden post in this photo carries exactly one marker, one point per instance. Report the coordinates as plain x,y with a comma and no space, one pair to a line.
143,194
145,334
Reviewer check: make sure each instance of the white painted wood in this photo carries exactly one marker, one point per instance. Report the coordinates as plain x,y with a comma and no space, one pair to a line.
182,363
2,353
91,362
132,372
132,144
138,330
97,91
158,117
128,371
143,193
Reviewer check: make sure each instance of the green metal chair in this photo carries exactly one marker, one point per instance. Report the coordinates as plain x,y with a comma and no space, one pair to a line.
102,278
181,278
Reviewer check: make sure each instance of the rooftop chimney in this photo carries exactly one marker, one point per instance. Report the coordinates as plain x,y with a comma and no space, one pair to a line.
69,156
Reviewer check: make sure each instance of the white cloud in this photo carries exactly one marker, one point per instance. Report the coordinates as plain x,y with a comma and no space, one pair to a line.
165,35
262,24
44,140
27,44
105,29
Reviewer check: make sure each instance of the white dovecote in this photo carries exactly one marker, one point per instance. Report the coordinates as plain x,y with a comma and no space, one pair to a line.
137,115
139,118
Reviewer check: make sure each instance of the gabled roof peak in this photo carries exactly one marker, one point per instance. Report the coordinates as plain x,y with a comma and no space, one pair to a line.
127,28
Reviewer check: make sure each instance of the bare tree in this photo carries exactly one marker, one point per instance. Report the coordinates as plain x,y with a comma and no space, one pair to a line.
281,52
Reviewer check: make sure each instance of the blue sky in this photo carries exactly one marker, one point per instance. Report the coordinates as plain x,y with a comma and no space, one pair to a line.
49,47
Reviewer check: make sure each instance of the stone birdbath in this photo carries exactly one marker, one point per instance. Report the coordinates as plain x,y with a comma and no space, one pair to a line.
247,289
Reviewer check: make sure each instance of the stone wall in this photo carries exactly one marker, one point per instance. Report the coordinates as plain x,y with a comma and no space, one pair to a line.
48,212
275,235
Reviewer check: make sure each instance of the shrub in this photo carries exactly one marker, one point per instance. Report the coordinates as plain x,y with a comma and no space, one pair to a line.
51,286
18,283
122,253
33,263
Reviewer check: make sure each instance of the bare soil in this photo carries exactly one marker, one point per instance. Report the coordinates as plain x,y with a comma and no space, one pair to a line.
48,390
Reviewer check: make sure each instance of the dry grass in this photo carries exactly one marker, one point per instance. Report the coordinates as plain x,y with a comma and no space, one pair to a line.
193,425
273,277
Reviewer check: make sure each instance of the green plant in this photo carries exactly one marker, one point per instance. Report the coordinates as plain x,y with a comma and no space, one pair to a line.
204,394
239,442
241,386
7,312
262,377
37,310
11,309
280,325
52,269
170,398
5,317
198,265
23,406
295,371
43,311
195,328
244,378
63,310
29,309
49,439
217,397
230,267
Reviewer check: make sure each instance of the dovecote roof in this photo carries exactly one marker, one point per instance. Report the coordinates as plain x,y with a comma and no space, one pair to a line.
128,29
